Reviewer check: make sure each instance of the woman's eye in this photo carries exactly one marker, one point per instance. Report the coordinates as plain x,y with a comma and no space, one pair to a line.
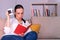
21,13
18,13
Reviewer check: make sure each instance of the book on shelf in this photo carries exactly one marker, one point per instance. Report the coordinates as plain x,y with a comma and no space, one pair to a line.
53,14
36,12
47,12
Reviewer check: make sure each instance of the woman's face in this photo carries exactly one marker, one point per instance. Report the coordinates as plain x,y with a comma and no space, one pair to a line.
19,13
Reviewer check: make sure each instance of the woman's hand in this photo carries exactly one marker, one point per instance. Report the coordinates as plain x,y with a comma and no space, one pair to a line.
7,15
8,19
22,34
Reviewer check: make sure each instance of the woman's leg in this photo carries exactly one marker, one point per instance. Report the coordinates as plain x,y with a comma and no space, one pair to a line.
31,36
12,37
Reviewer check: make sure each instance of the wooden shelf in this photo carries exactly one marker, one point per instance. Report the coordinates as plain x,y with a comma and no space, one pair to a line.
46,4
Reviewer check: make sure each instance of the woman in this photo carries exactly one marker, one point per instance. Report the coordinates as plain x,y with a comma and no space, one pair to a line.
12,24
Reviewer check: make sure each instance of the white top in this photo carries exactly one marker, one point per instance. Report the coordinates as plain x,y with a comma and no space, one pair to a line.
14,23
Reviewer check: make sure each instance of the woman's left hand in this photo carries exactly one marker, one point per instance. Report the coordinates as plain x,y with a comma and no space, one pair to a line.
22,34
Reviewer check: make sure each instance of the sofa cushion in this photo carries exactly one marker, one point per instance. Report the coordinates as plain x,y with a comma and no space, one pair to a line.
35,27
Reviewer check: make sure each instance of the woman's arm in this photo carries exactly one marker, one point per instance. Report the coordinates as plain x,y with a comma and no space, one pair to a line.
8,19
7,25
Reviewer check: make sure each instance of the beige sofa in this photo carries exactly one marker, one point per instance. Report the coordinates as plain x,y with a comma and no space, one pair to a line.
50,27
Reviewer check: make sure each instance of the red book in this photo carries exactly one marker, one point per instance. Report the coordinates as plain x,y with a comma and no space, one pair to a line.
20,29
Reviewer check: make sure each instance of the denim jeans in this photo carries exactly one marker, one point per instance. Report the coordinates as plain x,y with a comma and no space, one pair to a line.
29,36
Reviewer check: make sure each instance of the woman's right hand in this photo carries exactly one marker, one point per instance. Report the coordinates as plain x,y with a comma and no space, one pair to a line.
7,15
8,19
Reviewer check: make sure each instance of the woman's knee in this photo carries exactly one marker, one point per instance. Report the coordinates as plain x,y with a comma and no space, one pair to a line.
32,33
31,36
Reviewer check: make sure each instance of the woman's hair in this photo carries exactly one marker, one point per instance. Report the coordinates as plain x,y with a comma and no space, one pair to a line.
17,7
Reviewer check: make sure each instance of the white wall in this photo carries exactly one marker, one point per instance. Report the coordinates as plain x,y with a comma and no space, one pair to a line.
51,0
4,5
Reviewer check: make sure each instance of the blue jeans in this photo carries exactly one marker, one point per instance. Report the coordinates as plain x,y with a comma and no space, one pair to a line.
29,36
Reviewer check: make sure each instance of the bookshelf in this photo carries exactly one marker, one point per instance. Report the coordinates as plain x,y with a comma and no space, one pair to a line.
44,9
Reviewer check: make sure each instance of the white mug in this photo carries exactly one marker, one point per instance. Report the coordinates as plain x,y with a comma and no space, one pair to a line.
10,11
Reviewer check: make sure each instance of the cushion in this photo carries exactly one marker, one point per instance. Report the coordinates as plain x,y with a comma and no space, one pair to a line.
35,27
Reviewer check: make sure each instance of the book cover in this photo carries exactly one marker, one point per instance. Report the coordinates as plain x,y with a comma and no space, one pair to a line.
38,12
35,12
20,29
48,12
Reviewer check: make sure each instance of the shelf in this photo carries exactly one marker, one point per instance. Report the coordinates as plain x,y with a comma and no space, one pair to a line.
44,4
44,9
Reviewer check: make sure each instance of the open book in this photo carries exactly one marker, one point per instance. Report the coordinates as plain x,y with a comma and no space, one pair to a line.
20,29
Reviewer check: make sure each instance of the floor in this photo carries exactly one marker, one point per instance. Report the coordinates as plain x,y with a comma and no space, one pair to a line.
48,39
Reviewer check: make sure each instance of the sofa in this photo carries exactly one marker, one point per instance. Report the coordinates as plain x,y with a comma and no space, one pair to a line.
50,27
